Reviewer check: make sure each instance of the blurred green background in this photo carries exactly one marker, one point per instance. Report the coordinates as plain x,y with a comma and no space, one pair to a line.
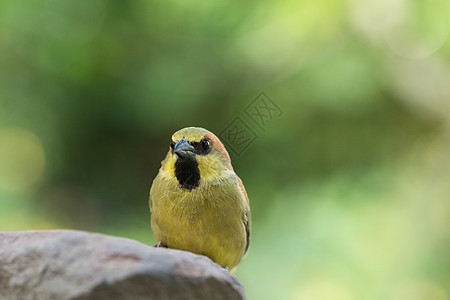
349,188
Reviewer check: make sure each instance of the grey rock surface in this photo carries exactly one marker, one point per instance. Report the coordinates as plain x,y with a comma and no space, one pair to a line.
67,264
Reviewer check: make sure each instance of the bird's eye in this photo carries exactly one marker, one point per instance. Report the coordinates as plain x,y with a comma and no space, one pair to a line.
205,145
172,145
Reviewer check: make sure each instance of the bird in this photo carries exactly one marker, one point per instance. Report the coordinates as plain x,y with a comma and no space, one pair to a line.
198,203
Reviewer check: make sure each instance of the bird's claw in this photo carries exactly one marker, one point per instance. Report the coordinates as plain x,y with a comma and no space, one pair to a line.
160,245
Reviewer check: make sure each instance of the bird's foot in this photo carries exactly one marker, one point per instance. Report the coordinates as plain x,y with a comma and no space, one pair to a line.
160,245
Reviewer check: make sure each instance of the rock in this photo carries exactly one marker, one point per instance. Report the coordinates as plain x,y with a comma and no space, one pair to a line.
67,264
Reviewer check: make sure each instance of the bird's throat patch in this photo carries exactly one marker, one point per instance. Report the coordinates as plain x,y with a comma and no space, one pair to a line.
187,173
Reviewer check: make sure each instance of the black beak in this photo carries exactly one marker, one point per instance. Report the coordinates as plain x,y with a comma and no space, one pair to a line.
183,148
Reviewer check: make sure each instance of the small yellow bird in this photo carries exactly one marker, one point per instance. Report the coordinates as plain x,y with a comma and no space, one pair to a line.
197,202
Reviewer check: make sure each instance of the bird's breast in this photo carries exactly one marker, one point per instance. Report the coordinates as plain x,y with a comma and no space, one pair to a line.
205,220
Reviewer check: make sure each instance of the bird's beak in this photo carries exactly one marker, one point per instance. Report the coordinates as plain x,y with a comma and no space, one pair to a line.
183,148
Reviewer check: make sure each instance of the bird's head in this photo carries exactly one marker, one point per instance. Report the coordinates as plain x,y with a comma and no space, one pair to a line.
196,155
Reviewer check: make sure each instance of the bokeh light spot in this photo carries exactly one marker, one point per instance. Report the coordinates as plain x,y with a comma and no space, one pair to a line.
420,30
22,159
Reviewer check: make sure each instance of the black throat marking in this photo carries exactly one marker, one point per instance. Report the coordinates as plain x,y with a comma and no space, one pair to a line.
187,172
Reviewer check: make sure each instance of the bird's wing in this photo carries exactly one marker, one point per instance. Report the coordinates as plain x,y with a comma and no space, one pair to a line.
246,218
241,186
247,224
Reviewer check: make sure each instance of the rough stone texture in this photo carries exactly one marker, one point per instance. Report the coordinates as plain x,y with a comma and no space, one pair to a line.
68,264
